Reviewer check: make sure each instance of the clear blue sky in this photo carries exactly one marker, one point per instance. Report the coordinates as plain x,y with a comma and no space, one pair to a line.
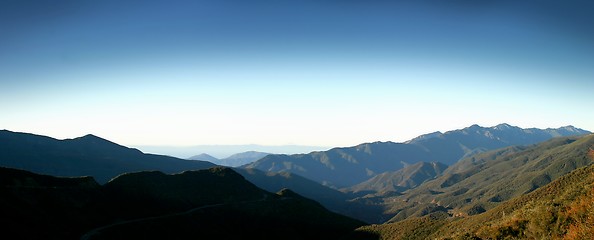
325,72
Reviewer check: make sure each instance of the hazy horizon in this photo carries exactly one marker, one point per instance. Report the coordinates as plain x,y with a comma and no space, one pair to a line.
314,73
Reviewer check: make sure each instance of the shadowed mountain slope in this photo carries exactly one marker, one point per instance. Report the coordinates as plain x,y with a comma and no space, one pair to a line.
83,156
331,199
400,180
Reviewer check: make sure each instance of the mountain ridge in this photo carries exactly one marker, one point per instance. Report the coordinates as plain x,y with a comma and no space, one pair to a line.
347,166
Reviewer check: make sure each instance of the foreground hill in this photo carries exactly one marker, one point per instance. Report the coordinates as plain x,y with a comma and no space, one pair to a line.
214,203
83,156
563,209
345,167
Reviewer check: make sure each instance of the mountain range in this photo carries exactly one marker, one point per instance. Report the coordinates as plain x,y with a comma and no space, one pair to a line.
420,191
346,167
234,160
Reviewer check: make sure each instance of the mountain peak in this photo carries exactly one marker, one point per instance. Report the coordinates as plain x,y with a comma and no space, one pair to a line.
503,126
425,137
93,139
571,128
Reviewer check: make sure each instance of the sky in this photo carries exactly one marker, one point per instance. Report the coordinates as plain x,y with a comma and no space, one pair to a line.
315,73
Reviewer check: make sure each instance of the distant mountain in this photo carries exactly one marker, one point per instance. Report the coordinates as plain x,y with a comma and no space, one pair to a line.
400,180
84,156
234,160
221,151
483,181
243,158
345,167
204,157
562,209
216,203
454,145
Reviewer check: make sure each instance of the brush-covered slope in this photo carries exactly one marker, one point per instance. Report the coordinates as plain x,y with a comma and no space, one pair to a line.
345,167
486,180
562,209
400,180
84,156
214,203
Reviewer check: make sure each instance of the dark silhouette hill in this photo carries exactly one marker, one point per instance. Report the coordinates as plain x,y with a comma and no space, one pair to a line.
44,207
84,156
346,167
214,203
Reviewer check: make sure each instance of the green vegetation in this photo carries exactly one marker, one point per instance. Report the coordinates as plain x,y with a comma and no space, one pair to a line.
483,181
562,209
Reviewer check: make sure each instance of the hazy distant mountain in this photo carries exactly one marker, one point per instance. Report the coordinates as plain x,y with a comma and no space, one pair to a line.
222,151
345,167
84,156
216,203
234,160
204,157
243,158
400,180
